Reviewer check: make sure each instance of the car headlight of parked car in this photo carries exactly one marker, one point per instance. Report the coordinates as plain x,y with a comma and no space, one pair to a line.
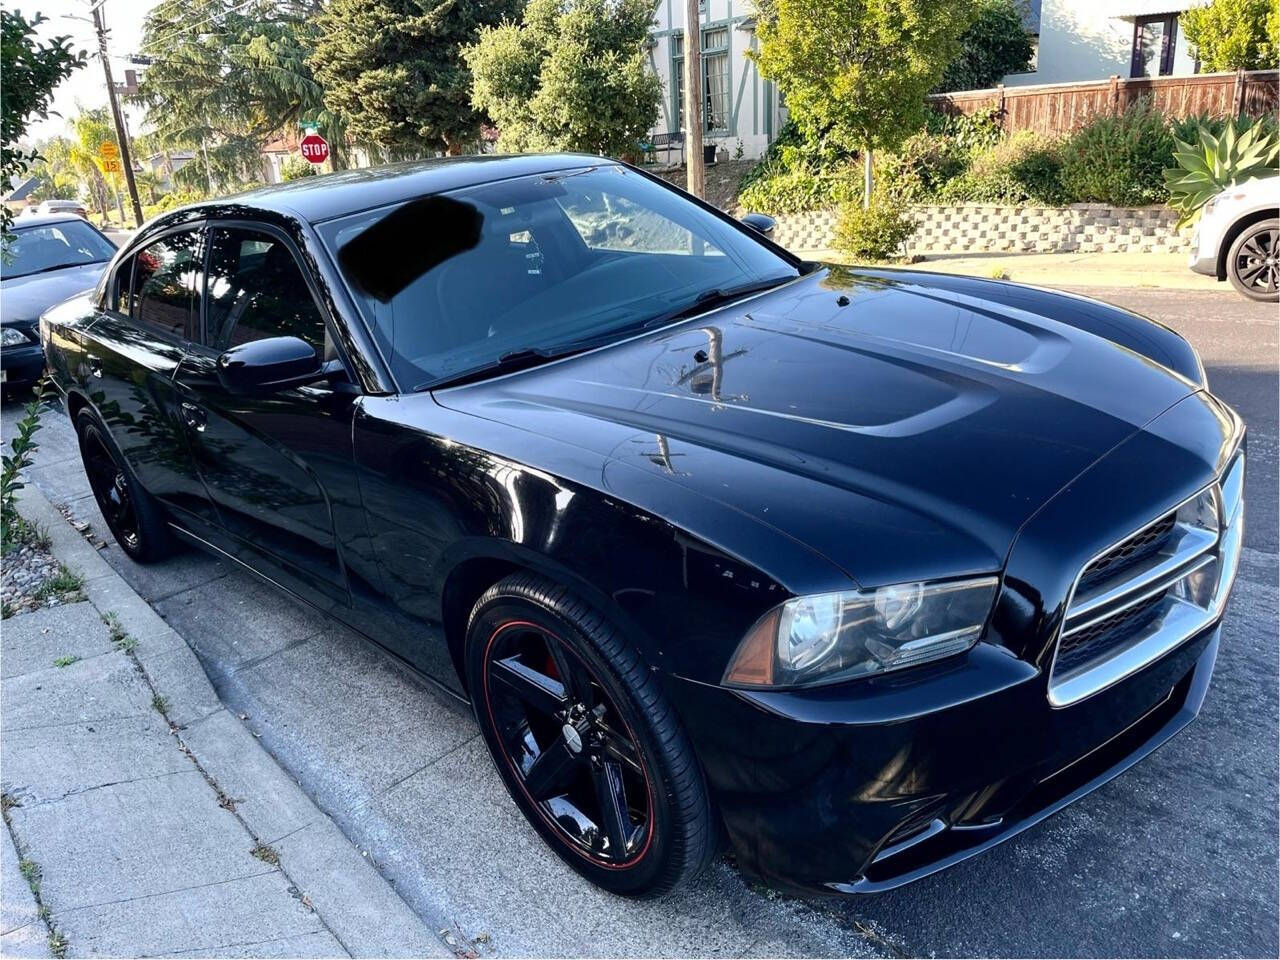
855,633
13,337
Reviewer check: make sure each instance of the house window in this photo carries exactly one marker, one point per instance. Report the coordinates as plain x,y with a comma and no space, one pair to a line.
677,79
1154,39
715,79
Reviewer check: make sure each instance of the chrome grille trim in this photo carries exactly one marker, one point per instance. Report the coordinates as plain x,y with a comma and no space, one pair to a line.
1176,618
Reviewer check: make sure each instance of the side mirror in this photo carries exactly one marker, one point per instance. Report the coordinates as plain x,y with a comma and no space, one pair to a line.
760,223
276,363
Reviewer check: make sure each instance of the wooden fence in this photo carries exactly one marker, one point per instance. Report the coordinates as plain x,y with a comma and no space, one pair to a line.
1060,107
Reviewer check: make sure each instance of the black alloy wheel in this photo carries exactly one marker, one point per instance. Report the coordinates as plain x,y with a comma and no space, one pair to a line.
588,749
1253,264
130,513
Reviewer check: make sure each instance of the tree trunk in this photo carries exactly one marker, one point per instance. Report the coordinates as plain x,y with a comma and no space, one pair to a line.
693,94
867,178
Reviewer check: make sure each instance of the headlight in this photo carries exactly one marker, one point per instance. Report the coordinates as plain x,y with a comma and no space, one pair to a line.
855,633
13,337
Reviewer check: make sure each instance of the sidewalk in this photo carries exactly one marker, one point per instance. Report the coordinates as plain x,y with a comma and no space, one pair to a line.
1060,269
142,817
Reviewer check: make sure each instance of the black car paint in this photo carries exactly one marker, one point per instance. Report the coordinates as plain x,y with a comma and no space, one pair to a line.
24,298
685,481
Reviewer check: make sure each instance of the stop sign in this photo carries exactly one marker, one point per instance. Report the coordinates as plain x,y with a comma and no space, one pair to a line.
314,148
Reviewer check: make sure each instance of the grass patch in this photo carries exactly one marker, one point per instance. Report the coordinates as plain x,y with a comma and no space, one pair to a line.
57,943
65,661
65,583
266,854
160,703
8,801
31,873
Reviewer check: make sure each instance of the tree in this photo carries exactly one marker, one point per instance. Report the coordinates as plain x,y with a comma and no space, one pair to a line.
394,70
571,75
857,71
995,44
226,77
29,71
1234,34
93,128
59,178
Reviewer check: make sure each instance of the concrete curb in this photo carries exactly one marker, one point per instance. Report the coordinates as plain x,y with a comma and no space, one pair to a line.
356,903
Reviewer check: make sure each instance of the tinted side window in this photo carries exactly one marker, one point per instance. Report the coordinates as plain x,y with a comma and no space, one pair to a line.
118,293
163,279
255,289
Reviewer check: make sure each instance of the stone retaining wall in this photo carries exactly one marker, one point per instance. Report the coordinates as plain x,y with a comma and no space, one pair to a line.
988,228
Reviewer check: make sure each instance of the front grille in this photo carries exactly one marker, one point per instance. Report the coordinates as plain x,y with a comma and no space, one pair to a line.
1142,597
1137,548
1094,640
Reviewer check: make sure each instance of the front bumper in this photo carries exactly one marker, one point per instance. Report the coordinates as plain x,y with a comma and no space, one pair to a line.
828,793
22,364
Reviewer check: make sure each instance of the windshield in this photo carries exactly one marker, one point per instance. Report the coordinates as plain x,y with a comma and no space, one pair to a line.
454,282
70,243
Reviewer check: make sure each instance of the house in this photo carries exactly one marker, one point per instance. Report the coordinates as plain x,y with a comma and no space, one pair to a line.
739,106
21,196
165,164
1081,40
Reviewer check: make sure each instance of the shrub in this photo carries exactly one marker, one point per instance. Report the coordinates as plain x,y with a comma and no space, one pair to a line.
918,171
1026,168
1119,158
970,131
1233,34
796,174
1209,164
873,233
793,191
295,168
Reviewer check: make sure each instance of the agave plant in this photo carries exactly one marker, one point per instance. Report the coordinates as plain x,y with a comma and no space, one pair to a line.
1243,151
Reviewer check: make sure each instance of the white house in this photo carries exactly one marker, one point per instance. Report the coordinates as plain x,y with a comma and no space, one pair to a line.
738,105
1095,39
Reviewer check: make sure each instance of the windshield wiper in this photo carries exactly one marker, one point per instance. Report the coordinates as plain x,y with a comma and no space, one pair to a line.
507,363
56,266
710,299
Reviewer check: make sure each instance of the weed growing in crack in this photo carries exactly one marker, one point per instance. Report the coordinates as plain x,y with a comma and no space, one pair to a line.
266,854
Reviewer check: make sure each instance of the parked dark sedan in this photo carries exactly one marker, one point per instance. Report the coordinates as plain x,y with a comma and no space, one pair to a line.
870,569
49,258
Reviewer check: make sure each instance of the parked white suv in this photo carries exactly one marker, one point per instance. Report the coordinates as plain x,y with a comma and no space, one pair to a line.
1238,238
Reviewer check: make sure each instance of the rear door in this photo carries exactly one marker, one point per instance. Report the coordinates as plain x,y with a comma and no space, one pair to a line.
142,331
274,463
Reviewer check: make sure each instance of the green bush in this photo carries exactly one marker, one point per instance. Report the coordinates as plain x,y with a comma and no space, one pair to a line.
970,131
1026,168
925,163
873,233
1119,158
793,191
798,174
295,168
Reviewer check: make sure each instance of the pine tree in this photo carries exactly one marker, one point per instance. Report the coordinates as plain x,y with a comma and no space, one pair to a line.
394,70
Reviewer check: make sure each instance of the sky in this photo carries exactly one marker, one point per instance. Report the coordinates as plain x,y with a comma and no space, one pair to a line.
87,86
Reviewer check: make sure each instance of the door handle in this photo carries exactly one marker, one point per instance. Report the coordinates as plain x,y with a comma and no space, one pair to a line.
194,416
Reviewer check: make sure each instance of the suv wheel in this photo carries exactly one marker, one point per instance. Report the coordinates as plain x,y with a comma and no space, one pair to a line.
1253,263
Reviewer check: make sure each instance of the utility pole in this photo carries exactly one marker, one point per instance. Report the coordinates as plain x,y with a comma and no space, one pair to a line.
693,99
126,157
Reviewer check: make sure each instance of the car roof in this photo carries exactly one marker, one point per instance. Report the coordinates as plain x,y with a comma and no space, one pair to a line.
349,191
42,219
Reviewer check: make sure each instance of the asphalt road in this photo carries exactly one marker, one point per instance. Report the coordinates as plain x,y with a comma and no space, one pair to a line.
1177,857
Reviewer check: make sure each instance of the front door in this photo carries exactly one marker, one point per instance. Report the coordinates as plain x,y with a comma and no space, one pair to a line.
278,464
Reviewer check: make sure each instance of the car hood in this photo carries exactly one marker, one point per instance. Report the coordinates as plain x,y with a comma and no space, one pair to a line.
900,430
25,298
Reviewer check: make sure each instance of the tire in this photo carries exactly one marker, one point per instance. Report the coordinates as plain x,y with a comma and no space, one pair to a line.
132,514
630,748
1253,262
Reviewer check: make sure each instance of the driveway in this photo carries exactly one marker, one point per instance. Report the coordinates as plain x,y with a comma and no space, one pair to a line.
1175,858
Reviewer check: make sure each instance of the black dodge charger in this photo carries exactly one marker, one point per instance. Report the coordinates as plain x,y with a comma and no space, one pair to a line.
867,569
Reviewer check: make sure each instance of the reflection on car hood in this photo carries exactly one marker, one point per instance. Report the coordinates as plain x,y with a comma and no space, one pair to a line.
907,432
25,298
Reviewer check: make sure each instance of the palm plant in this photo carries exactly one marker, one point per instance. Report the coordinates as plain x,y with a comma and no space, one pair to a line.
1243,151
